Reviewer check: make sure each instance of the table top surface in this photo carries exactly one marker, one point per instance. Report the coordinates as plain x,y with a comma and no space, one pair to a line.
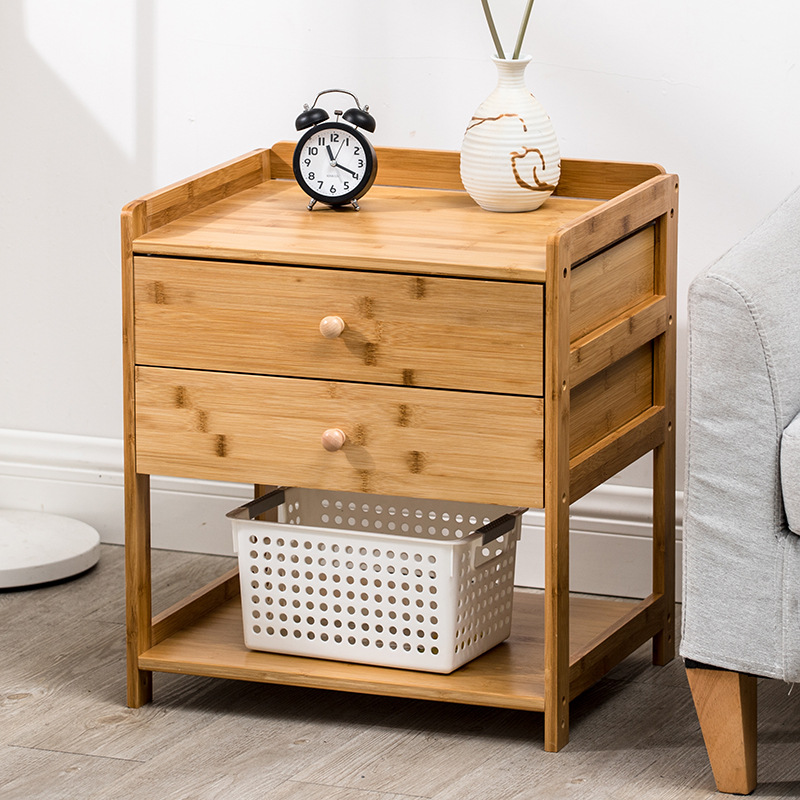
424,231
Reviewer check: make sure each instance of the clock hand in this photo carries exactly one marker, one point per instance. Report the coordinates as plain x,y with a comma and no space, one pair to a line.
330,154
340,148
355,175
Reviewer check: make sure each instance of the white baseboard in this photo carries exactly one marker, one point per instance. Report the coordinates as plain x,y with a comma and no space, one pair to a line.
610,543
81,477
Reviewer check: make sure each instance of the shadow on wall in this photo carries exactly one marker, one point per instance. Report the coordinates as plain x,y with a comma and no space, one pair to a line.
64,180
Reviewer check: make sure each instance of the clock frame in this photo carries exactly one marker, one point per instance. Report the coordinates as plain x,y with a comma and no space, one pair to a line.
324,174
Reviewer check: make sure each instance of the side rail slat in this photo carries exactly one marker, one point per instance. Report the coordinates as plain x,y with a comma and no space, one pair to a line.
201,190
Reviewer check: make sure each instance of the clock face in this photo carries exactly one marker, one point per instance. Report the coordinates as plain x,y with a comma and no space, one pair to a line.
334,163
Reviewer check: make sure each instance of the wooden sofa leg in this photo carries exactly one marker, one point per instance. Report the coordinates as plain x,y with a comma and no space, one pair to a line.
726,707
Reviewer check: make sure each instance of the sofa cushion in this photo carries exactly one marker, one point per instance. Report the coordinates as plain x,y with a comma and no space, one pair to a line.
790,473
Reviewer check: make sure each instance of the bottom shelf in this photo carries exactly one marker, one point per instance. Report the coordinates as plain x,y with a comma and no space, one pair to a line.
509,676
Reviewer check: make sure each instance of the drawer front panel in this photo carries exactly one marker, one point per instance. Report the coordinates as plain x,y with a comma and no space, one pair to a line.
414,442
400,329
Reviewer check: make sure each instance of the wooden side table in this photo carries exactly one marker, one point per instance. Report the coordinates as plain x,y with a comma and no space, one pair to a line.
502,358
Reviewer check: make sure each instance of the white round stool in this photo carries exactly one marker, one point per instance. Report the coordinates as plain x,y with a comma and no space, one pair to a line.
39,548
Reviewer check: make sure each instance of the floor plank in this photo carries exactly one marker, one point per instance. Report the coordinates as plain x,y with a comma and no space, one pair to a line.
436,752
39,774
66,733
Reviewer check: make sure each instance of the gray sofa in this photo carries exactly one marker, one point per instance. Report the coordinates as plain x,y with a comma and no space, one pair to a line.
741,588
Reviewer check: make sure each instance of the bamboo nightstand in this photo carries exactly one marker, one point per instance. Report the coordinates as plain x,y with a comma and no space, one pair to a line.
517,359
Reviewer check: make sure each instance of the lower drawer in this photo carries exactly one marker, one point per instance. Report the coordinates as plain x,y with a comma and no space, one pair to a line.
417,442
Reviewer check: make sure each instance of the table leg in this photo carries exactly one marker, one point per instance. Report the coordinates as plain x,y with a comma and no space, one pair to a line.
556,647
664,546
138,586
664,358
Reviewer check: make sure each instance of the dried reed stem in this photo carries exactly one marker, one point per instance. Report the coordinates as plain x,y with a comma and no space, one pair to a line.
492,29
522,28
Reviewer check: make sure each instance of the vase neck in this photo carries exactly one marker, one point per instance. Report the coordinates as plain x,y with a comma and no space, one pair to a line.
511,71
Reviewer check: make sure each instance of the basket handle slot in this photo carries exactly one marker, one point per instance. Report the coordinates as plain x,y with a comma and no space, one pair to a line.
483,551
497,527
261,504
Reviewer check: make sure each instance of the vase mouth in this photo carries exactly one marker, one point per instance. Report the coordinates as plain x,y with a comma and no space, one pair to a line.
523,59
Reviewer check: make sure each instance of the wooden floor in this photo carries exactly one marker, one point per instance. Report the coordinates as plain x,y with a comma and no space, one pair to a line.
65,731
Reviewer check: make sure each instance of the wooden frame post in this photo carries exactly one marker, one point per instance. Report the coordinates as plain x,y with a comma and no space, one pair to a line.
138,602
556,494
664,454
138,218
655,202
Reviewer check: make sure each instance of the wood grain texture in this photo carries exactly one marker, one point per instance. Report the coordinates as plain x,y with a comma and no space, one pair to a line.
617,338
664,392
618,218
609,399
195,605
611,283
426,232
622,637
621,447
508,676
137,487
557,498
400,329
210,186
726,706
436,169
401,441
603,179
608,228
598,255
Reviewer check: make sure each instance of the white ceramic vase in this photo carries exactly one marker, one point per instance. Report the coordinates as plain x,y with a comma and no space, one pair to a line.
510,159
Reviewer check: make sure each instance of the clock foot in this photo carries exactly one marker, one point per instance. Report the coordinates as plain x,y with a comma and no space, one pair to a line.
311,204
356,206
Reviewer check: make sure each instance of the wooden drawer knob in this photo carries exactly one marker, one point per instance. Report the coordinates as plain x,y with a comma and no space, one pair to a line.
331,327
333,439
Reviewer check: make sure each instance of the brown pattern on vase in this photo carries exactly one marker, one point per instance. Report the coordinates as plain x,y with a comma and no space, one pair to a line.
475,121
540,186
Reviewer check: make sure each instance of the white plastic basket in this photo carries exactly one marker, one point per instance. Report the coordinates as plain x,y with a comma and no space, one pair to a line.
391,581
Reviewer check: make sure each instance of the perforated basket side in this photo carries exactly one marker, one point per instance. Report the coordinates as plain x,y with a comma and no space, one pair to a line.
485,600
317,593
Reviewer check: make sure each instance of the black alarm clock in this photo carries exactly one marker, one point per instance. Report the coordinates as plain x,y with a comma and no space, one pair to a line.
334,162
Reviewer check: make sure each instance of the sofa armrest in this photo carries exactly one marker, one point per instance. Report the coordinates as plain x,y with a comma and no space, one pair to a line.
741,560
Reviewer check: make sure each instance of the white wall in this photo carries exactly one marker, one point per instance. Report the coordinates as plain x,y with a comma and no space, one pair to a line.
102,102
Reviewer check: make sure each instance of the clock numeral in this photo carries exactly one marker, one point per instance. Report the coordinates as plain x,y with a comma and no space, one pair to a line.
307,162
320,184
311,176
321,141
312,151
356,151
334,137
360,162
346,185
332,190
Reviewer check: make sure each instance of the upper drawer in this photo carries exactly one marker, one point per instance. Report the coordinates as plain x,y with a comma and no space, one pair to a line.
399,329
